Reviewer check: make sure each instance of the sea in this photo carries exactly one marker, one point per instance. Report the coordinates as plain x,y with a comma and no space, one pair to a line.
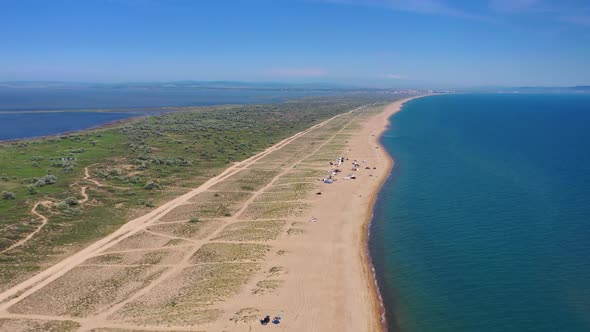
484,223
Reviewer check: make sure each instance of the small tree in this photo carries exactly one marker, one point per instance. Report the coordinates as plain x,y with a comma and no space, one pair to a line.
6,195
151,185
71,201
32,189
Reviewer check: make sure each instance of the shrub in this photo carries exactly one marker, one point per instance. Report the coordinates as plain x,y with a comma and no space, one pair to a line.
145,203
194,220
32,189
47,179
6,195
151,185
71,201
73,211
61,206
4,177
29,180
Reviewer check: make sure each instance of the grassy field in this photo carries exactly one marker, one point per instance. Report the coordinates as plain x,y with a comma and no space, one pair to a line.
131,168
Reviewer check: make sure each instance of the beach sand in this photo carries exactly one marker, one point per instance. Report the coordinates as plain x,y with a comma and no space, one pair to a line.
265,243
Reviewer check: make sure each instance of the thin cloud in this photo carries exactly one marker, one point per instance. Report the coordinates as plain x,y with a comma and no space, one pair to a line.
565,11
512,5
427,7
298,72
395,76
583,20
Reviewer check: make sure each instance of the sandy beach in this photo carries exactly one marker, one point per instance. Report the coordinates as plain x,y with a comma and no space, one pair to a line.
287,245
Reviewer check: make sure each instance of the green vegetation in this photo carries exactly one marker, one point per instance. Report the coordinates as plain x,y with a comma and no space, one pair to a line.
132,168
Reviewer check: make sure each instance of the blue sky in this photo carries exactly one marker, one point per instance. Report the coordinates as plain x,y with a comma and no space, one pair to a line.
366,42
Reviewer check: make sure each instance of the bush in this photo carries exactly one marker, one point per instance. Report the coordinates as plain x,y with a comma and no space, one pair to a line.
151,185
71,201
4,177
145,203
75,211
32,189
61,206
194,220
6,195
47,179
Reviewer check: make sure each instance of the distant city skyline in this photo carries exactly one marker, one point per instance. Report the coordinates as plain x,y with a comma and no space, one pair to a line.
393,43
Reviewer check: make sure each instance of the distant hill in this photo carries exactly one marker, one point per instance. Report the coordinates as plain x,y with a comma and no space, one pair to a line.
217,85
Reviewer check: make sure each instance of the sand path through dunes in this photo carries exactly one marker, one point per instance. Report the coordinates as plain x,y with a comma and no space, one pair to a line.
33,284
37,230
89,178
45,220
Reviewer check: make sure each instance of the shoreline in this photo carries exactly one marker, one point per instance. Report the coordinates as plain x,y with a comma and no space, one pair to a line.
378,305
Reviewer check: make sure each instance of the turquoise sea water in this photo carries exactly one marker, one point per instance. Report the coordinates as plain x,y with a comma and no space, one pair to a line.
484,223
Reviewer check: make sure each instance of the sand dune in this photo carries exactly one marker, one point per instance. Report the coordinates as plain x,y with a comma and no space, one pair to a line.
258,239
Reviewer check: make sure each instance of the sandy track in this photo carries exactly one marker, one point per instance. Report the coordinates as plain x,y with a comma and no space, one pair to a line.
89,178
35,283
45,220
37,230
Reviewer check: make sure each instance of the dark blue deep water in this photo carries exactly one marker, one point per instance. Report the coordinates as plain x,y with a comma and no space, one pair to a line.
484,223
27,125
